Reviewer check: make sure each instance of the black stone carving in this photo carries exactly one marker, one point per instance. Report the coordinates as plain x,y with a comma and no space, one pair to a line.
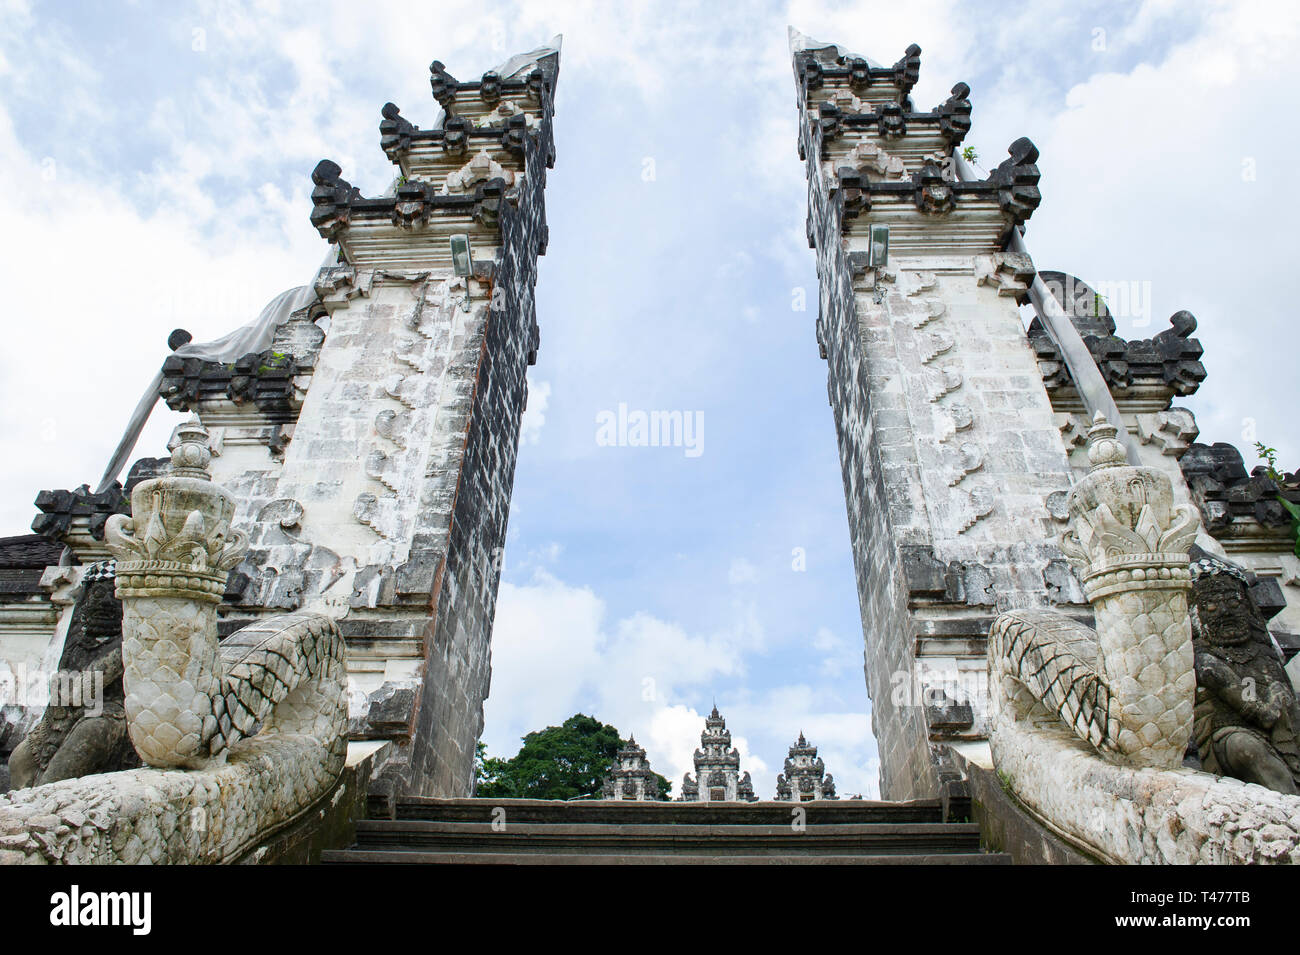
934,194
745,789
444,85
829,120
489,88
536,82
487,206
178,337
394,132
893,124
1171,359
908,70
512,138
83,729
264,378
336,202
1017,181
813,76
455,138
855,195
1013,183
1247,718
954,115
413,204
859,74
59,508
813,72
331,199
1225,493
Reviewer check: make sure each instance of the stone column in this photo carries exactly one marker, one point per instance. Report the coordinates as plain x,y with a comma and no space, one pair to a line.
395,405
950,453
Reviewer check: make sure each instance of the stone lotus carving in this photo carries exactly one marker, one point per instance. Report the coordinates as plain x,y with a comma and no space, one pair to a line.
1090,727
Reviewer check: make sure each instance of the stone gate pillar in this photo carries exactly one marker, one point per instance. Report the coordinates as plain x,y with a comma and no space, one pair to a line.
373,445
952,460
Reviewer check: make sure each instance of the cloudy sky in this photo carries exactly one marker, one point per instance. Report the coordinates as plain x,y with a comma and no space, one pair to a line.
156,159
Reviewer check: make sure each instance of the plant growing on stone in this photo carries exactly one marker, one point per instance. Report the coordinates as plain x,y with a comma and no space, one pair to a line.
1269,457
969,154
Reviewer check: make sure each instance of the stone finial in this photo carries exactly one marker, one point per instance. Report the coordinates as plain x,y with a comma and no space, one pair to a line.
191,454
1104,448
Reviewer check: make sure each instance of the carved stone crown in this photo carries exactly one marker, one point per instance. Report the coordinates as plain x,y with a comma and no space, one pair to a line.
1125,532
178,541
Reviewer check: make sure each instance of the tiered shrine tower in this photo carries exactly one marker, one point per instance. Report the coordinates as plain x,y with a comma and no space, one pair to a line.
717,768
804,777
631,776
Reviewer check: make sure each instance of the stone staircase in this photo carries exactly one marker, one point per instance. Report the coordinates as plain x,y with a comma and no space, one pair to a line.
539,832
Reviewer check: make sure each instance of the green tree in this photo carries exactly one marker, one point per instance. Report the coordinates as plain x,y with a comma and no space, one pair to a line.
559,762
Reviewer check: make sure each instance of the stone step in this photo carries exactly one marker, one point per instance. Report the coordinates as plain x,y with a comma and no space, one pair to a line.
616,812
377,857
867,839
416,830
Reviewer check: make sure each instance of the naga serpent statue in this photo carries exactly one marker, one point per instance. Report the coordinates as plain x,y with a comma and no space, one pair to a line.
1089,728
188,698
238,737
1128,687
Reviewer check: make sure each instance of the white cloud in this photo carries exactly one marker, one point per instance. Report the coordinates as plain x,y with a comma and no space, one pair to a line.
555,653
741,572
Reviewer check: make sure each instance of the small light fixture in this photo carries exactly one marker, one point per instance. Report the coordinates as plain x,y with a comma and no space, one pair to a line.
878,250
877,256
462,261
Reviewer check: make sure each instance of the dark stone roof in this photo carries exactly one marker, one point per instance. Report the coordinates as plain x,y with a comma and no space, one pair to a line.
1013,184
1225,492
1172,358
812,67
264,378
28,551
59,507
23,560
336,202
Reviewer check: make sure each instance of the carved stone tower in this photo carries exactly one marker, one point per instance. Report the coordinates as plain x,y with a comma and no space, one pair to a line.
717,768
631,776
950,453
804,775
404,455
